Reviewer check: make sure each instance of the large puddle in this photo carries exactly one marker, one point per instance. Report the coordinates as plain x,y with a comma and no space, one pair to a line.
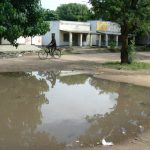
58,110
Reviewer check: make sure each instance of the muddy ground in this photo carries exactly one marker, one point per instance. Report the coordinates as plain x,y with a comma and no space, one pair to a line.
85,62
90,63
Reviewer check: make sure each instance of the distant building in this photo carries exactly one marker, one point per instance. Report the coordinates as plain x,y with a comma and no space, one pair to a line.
68,33
104,33
36,40
71,33
91,33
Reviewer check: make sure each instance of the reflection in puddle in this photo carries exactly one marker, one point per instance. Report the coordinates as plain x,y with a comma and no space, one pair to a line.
69,106
59,109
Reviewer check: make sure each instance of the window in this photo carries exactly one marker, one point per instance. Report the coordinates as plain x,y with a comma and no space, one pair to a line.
66,37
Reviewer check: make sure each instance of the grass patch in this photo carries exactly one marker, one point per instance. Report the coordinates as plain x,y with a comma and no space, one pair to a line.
133,66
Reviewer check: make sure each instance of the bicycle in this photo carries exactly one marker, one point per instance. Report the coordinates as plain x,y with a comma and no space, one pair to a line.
43,54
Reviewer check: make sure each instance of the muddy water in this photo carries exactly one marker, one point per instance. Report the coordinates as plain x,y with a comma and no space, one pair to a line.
58,110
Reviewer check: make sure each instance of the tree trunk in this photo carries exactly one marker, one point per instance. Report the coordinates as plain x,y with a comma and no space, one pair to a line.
124,48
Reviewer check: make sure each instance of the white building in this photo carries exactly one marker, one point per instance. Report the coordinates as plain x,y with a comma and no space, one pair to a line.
105,32
36,40
68,33
71,33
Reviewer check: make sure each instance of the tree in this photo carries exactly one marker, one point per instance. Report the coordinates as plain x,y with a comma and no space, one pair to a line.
50,15
21,18
130,14
73,12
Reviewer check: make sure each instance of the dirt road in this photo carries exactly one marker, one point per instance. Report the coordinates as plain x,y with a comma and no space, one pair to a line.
86,62
92,64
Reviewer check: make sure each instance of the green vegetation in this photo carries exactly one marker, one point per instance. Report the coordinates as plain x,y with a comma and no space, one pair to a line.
50,15
133,16
131,51
146,48
112,44
73,12
21,18
133,66
74,79
70,12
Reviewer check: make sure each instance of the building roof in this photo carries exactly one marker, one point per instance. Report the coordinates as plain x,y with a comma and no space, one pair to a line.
75,31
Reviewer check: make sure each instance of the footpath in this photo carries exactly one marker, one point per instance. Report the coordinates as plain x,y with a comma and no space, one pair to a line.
21,48
9,51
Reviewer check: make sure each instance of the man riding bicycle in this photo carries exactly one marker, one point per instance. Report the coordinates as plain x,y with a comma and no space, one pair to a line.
52,45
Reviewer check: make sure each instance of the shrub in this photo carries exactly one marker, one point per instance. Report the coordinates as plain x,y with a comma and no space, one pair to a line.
131,51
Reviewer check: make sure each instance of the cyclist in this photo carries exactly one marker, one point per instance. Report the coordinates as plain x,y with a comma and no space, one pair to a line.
52,45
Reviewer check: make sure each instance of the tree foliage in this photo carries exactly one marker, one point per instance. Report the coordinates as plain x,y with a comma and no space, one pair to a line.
21,18
50,15
132,15
74,12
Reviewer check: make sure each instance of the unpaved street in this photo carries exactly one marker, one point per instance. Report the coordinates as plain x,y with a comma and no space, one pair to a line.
86,62
90,63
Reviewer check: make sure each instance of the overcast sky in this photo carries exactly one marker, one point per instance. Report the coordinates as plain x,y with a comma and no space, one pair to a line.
53,4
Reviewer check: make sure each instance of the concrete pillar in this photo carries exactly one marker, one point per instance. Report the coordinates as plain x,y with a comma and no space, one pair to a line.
100,40
81,37
106,40
70,39
91,40
116,40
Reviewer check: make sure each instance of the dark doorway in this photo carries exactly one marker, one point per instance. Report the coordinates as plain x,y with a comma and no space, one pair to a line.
75,39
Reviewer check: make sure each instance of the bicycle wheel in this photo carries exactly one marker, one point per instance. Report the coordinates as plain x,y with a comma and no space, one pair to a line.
57,53
43,54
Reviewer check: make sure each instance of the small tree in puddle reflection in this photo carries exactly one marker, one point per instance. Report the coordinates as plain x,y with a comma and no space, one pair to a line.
21,100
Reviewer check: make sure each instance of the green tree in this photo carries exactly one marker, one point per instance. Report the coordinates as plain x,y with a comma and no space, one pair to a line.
21,18
132,15
73,12
50,15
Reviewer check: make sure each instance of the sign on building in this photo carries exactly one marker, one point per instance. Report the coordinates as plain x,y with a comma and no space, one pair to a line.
108,27
101,26
74,26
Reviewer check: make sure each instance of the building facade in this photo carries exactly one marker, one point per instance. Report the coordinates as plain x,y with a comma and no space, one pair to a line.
71,33
91,33
68,33
104,33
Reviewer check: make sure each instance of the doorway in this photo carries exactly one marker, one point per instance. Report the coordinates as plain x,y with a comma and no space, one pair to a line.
75,39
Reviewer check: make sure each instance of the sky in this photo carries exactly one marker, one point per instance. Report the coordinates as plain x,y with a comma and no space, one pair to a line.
53,4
